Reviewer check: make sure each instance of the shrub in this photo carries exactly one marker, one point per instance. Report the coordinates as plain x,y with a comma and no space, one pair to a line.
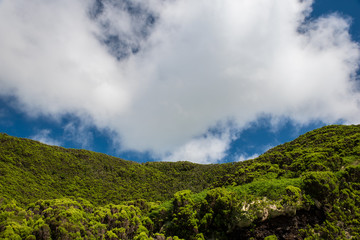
323,186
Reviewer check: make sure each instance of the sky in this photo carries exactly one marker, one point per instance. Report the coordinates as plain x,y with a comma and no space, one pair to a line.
177,80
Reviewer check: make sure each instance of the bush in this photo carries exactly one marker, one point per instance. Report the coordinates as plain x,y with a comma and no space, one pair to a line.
323,186
271,237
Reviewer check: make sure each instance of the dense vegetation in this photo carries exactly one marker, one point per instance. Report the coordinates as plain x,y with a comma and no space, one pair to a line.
305,189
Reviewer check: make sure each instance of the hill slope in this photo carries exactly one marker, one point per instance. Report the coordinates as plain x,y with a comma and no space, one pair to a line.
307,188
30,170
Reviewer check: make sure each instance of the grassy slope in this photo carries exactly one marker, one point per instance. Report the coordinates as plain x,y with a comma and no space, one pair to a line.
317,170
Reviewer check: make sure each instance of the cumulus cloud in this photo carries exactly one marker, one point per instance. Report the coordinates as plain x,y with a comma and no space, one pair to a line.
166,81
243,157
53,63
78,133
44,137
207,149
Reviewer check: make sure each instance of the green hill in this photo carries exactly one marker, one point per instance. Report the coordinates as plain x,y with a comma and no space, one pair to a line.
30,170
307,188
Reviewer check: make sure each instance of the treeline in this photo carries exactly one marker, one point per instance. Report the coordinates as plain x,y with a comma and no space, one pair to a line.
305,189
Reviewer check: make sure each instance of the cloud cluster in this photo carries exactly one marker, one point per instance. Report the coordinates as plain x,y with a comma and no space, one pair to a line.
207,149
200,64
244,157
44,137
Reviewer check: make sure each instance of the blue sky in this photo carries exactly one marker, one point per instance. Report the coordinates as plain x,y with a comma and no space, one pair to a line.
181,80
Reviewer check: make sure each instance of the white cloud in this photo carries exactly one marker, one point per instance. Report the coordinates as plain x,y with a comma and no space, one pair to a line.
79,134
243,157
205,150
54,64
204,62
44,137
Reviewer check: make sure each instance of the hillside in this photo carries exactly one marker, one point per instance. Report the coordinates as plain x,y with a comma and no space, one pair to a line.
30,171
307,188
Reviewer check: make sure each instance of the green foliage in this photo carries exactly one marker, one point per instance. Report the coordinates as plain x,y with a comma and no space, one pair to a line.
292,197
216,212
322,186
271,237
272,188
183,218
67,218
49,192
30,171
